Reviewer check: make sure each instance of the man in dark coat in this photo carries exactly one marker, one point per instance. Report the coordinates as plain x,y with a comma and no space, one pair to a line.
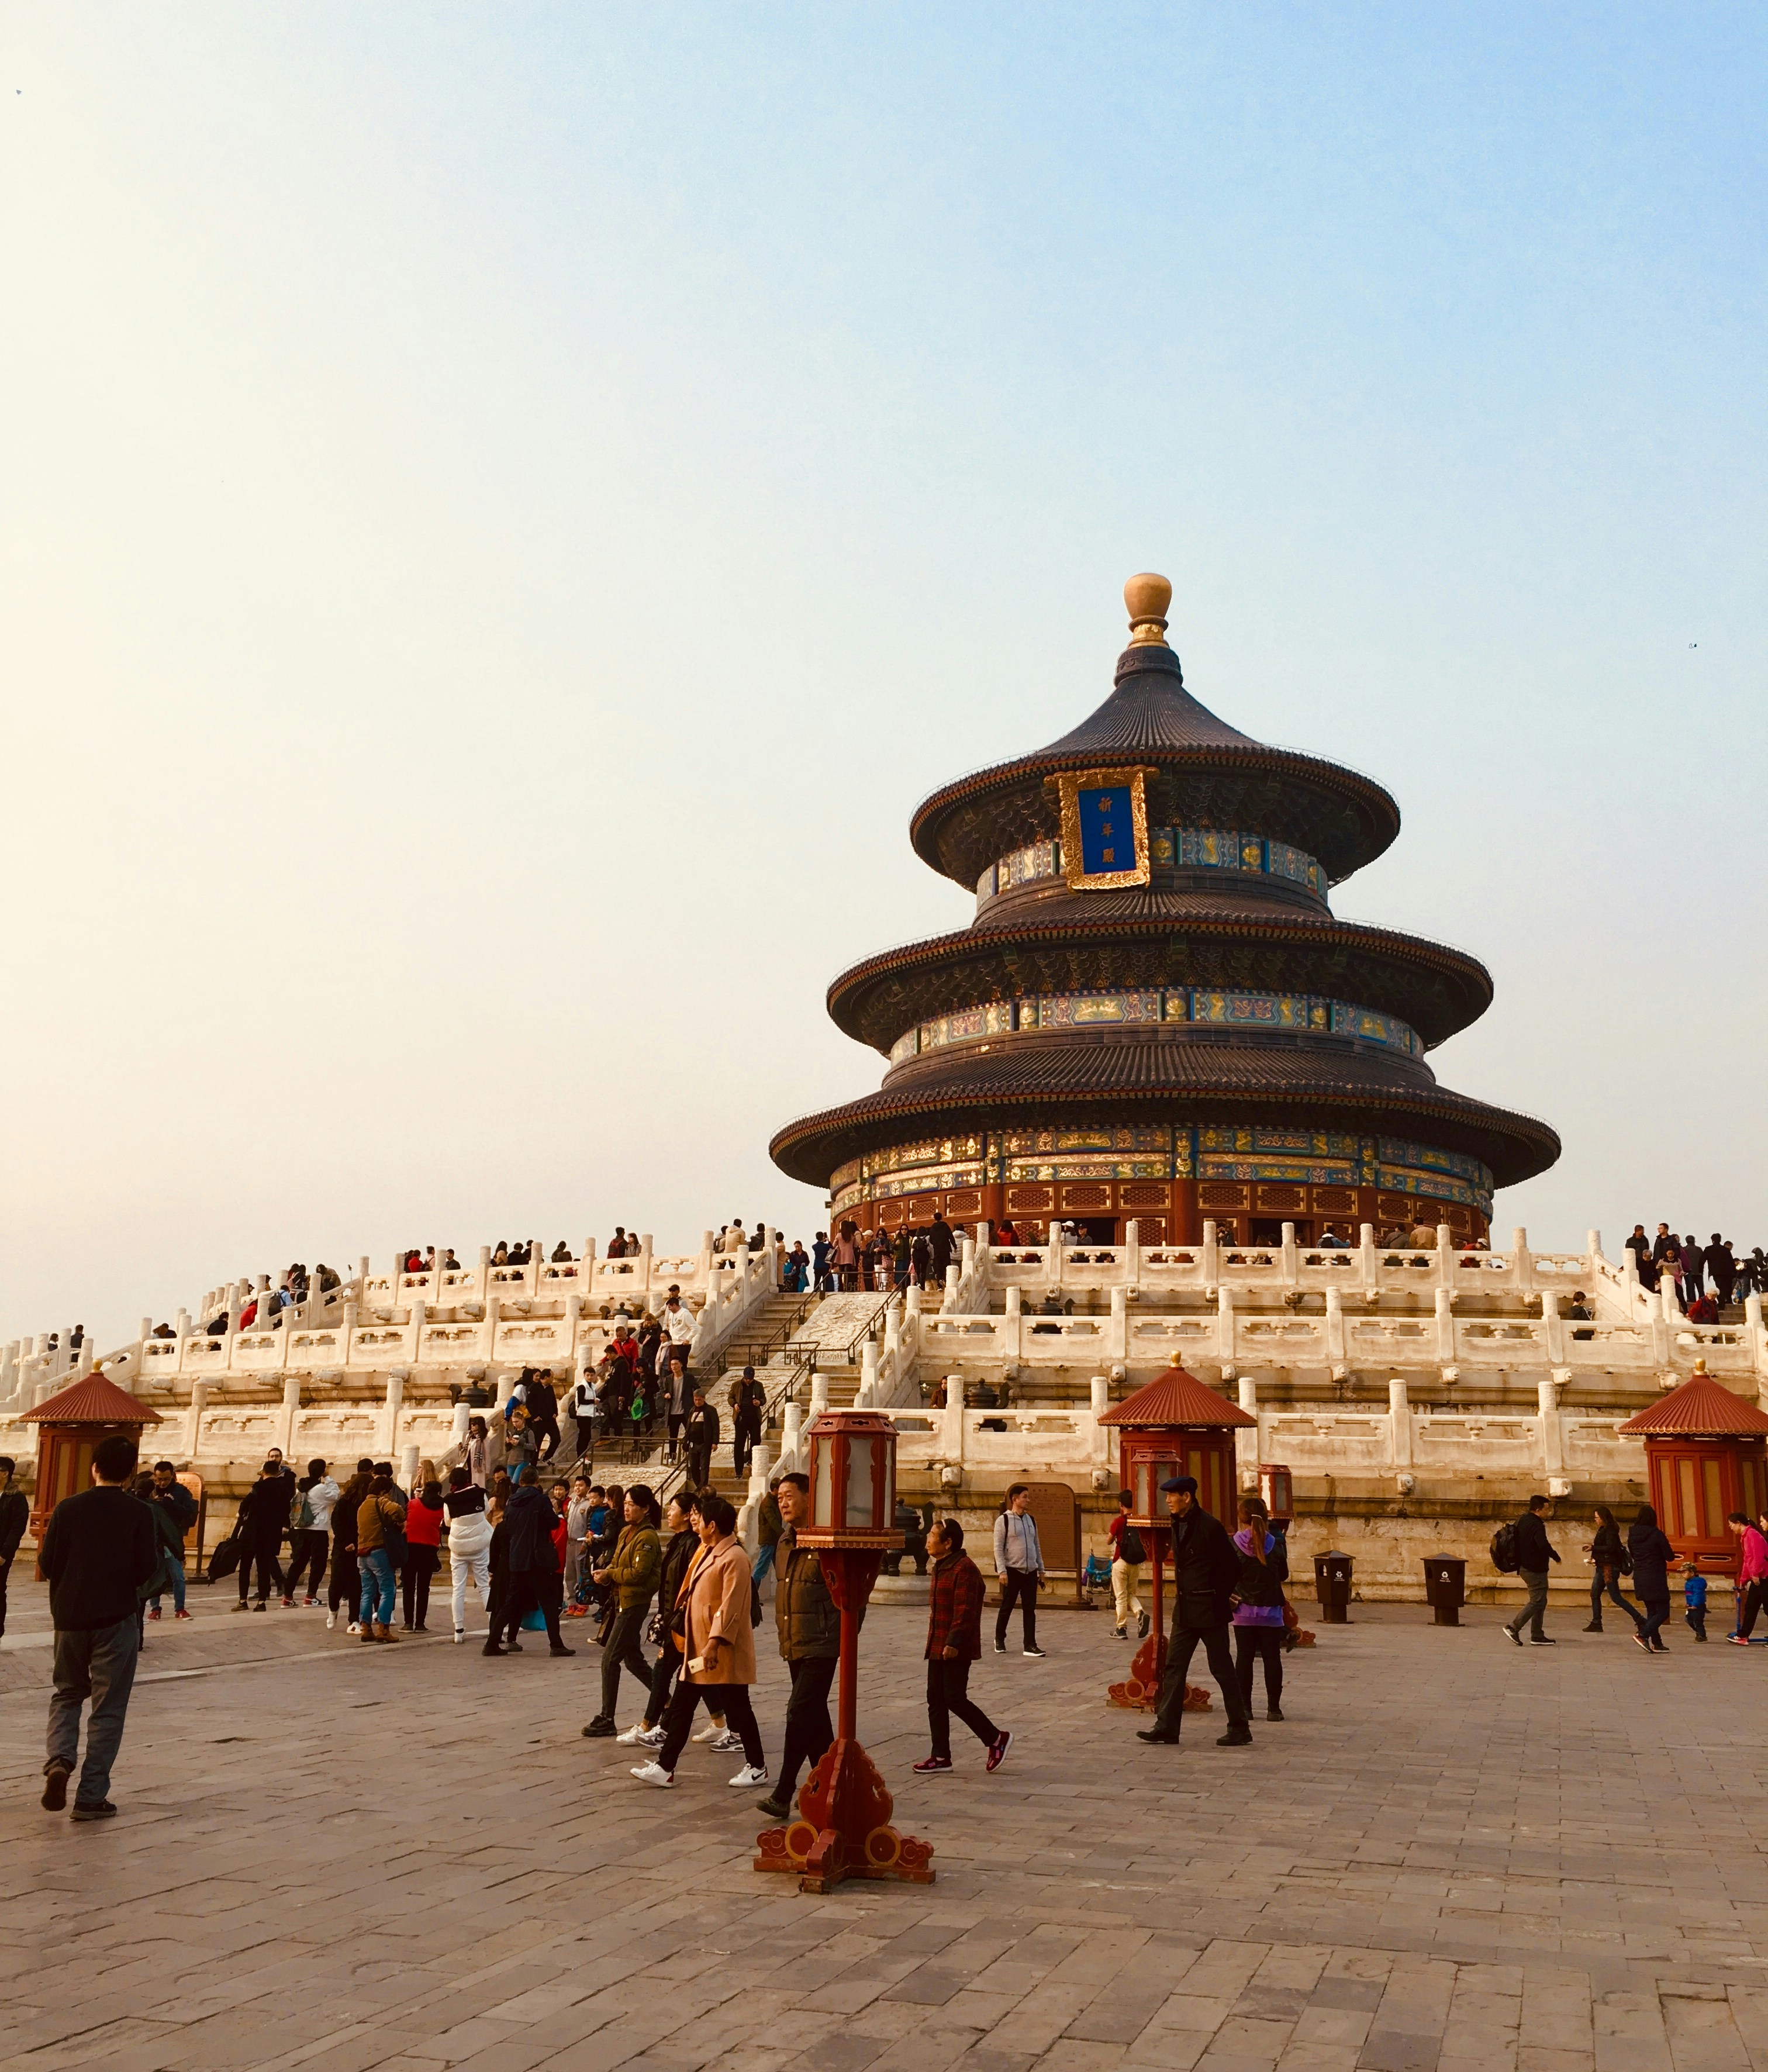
263,1519
748,1403
702,1440
14,1516
941,1240
809,1627
1205,1568
535,1582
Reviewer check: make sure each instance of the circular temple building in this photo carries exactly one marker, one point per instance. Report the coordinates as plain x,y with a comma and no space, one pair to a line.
1154,1015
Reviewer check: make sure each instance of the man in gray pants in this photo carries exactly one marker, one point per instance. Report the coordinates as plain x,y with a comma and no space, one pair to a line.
98,1550
1534,1551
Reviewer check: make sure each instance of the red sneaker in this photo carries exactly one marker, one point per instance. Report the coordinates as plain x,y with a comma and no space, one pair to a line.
934,1762
180,1615
998,1749
153,1611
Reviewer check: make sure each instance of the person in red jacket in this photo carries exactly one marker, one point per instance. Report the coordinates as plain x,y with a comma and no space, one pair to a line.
954,1641
424,1517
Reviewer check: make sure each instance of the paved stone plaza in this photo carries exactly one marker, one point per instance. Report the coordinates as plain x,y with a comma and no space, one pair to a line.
1451,1854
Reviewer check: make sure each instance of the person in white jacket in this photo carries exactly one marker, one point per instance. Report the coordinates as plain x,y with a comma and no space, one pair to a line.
469,1543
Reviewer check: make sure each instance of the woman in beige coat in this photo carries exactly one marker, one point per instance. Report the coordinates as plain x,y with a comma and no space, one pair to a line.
717,1647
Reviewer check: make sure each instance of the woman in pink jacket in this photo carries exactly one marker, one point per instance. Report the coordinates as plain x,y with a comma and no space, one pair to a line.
1752,1575
717,1648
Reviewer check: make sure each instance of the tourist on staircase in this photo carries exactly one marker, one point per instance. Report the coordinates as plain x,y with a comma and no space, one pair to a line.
809,1630
940,1244
543,1416
718,1649
632,1573
701,1440
954,1641
677,1321
921,1258
469,1545
748,1406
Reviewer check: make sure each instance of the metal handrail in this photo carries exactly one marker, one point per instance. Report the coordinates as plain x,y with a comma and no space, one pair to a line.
781,1337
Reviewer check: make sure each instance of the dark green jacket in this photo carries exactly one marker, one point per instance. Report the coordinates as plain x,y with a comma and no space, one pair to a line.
636,1563
805,1612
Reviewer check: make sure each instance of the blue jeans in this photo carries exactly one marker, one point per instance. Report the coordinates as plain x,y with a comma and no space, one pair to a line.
1605,1582
177,1568
98,1663
764,1561
1657,1610
377,1586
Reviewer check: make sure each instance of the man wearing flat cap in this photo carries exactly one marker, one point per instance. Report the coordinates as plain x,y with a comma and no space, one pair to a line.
1206,1568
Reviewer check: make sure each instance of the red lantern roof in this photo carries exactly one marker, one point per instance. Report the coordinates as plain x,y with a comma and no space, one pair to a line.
1178,1398
1699,1404
93,1401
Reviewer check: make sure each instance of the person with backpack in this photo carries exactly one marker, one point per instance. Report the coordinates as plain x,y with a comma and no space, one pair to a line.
1610,1561
1127,1556
1258,1613
1528,1551
1653,1558
310,1537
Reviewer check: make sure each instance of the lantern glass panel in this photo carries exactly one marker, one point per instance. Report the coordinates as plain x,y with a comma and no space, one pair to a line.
1689,1517
1151,1471
860,1493
822,1479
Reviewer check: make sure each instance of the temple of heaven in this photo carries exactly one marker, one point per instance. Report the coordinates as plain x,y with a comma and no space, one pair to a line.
1154,1016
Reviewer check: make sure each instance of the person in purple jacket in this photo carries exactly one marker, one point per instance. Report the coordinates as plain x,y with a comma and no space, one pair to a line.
1258,1614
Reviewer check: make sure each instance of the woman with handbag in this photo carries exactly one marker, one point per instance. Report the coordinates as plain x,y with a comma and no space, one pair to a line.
1258,1607
680,1551
717,1647
1609,1562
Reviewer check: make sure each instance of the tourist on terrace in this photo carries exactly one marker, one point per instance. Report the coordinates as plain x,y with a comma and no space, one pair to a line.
1534,1551
1206,1566
677,1401
1610,1561
14,1516
469,1530
677,1321
1752,1574
424,1518
941,1244
99,1547
180,1509
1018,1562
263,1518
1127,1555
631,1573
561,1254
844,1259
1653,1558
520,1445
380,1519
954,1641
1721,1268
809,1631
310,1535
702,1439
718,1650
1258,1612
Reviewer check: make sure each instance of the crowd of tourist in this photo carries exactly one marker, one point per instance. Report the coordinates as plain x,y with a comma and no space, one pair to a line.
1706,1278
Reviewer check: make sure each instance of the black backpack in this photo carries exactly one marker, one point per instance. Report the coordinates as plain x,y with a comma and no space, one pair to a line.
1505,1556
1130,1548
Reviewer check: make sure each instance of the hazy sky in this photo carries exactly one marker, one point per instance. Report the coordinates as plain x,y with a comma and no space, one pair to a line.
506,510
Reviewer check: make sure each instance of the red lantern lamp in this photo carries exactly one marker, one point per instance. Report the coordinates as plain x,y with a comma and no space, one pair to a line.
843,1828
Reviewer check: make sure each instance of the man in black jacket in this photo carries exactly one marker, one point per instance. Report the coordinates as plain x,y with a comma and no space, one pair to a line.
702,1440
1534,1551
14,1516
98,1549
810,1642
1205,1568
263,1519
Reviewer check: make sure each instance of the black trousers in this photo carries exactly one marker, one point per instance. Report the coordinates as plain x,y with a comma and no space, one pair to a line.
732,1700
1017,1586
1180,1648
421,1563
1753,1598
742,1442
1254,1644
307,1551
548,1429
535,1590
699,1466
346,1581
6,1570
948,1692
623,1651
270,1569
663,1675
809,1730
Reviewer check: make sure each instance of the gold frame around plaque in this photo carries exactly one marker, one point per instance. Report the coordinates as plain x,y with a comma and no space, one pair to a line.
1069,787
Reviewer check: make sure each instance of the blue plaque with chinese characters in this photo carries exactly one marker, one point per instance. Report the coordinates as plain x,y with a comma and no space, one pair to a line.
1107,833
1104,828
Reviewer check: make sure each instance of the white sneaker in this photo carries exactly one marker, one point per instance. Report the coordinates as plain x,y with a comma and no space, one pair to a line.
637,1735
727,1744
460,1635
654,1773
354,1627
711,1732
751,1773
330,1621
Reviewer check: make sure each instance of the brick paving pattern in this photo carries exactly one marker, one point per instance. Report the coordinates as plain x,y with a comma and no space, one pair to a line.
1453,1856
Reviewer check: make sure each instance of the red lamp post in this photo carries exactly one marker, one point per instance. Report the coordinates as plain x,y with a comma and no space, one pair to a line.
843,1828
1173,1425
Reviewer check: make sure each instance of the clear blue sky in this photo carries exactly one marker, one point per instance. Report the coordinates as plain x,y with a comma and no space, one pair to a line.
505,510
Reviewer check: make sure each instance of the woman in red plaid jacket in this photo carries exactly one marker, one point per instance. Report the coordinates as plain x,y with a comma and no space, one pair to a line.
954,1641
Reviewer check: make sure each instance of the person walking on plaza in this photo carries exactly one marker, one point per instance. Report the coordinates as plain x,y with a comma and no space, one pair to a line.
748,1405
1610,1561
702,1440
1258,1616
1752,1575
1694,1599
536,1570
633,1571
1127,1555
1206,1566
263,1519
379,1518
954,1641
718,1650
1653,1558
1018,1562
680,1543
1534,1551
179,1508
99,1547
311,1535
809,1630
469,1545
14,1516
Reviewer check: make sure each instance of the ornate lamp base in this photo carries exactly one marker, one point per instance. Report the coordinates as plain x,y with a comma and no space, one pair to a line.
843,1829
1140,1692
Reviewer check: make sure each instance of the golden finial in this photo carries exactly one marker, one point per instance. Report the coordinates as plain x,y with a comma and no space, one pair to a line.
1148,597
